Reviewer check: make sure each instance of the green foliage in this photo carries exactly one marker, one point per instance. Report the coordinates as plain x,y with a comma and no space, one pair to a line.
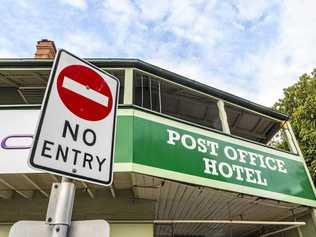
281,144
300,103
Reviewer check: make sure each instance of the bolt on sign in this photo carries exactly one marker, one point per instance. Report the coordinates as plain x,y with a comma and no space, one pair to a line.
76,130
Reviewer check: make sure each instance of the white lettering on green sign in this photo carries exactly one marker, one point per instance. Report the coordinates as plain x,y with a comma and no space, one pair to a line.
227,170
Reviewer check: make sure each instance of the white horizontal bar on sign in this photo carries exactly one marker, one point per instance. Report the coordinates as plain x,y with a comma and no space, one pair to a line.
84,91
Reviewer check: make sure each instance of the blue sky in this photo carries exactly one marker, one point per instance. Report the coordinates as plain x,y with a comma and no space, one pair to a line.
250,48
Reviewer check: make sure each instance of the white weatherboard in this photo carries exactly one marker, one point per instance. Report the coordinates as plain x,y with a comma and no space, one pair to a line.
68,144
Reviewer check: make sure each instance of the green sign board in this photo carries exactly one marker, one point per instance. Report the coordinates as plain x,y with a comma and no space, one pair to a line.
170,149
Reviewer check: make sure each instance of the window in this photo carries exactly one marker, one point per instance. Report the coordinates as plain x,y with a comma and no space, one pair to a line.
175,100
147,92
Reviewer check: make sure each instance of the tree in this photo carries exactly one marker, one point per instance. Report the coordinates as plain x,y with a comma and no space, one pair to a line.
300,103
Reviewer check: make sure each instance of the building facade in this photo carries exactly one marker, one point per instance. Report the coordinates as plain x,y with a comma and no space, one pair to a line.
190,160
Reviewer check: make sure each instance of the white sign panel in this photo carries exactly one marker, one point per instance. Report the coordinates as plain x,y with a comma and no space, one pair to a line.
16,136
75,133
91,228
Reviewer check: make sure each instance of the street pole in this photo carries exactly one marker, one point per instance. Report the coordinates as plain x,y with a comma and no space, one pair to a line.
60,207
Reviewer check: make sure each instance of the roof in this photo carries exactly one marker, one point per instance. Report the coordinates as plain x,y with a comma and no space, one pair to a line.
139,64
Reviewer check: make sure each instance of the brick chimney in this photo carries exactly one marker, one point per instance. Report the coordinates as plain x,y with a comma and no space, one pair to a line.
45,49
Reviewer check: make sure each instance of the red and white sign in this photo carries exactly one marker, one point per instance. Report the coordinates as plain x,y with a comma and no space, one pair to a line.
84,92
76,129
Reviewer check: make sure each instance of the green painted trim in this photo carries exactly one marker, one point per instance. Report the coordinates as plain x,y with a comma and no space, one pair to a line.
124,141
220,136
190,179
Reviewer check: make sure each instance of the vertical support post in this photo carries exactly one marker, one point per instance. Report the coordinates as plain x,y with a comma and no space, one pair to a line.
60,207
159,91
128,84
150,94
142,85
290,138
223,116
300,234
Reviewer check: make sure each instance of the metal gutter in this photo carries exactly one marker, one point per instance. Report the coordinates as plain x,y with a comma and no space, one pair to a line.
168,75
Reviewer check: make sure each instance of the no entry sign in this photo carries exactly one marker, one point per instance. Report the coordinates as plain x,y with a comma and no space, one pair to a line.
84,92
76,129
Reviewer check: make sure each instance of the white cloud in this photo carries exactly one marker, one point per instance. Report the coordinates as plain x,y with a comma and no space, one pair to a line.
196,22
188,20
293,54
7,54
81,4
153,10
6,49
119,9
252,10
83,44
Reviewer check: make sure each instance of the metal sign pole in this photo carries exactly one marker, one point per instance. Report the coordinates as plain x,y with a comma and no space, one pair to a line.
60,207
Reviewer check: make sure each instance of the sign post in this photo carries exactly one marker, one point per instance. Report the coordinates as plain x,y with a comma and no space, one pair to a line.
60,207
74,138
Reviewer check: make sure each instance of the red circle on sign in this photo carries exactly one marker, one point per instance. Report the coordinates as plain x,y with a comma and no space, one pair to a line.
84,92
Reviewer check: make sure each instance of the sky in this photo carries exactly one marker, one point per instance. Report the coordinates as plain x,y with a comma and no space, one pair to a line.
250,48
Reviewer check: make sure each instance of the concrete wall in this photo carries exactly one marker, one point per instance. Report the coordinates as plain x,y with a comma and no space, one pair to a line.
116,230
